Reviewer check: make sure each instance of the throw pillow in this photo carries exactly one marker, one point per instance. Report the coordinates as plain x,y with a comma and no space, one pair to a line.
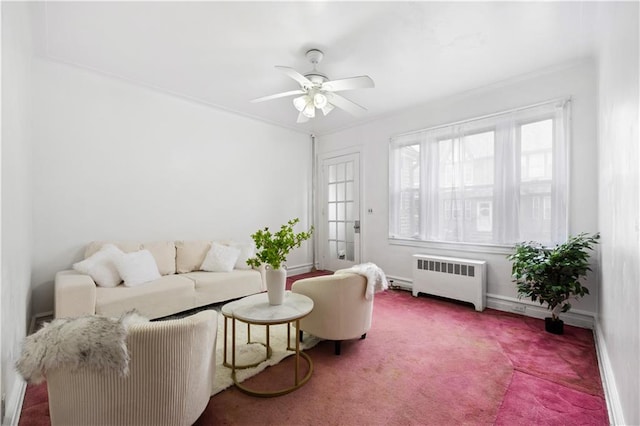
247,251
220,258
101,266
137,268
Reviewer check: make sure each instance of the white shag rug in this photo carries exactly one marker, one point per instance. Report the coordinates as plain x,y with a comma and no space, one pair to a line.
253,352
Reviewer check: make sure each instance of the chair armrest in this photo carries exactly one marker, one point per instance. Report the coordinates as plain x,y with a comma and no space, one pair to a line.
74,294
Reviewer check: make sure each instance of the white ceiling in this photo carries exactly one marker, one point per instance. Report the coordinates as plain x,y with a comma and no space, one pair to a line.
223,54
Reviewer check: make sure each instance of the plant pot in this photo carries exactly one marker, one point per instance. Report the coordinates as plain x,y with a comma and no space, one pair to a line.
276,283
555,327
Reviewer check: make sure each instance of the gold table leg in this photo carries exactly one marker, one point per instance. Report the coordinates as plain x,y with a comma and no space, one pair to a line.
225,361
297,383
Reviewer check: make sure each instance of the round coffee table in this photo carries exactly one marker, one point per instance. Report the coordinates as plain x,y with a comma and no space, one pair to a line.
257,310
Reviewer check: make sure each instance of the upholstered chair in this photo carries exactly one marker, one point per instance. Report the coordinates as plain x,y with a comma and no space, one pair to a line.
170,380
340,309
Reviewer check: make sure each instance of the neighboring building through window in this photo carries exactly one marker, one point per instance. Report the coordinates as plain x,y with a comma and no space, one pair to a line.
495,180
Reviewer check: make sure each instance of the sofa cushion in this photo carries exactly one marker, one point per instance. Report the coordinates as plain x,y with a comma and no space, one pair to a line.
125,246
164,252
137,268
247,251
101,266
190,255
213,287
220,258
165,296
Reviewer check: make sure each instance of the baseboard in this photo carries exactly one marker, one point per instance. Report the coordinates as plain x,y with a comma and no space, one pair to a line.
575,317
400,283
299,269
14,403
611,395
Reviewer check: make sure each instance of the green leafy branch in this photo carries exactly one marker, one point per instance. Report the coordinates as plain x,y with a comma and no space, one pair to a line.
273,248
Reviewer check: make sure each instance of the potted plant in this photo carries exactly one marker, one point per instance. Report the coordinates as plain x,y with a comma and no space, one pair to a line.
272,250
553,275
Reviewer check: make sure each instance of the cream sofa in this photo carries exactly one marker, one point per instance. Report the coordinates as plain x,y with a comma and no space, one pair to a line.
181,285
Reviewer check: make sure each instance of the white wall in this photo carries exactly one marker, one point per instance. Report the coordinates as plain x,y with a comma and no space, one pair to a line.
619,206
576,80
16,202
116,161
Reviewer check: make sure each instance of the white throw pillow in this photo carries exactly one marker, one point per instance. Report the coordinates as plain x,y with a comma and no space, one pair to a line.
101,266
220,258
247,251
137,268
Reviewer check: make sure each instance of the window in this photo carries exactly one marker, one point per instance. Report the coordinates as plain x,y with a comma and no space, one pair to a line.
494,180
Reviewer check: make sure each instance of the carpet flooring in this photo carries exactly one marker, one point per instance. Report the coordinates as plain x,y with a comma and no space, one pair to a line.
425,361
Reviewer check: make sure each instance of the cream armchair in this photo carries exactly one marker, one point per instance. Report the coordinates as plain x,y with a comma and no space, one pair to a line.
340,309
170,381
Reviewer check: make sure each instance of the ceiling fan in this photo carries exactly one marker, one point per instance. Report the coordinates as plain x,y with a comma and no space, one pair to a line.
317,91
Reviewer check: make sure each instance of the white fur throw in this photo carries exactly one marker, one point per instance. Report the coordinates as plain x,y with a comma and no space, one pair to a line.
376,279
90,342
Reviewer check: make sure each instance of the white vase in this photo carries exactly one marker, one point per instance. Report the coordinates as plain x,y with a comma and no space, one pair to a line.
276,284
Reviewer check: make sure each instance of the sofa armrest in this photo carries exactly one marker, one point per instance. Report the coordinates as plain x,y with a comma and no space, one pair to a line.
74,294
262,269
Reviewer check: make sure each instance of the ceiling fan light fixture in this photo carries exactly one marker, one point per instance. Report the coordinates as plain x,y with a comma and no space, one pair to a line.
316,91
309,110
301,102
319,100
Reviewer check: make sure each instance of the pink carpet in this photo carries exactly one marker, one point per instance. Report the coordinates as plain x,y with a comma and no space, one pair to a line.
425,361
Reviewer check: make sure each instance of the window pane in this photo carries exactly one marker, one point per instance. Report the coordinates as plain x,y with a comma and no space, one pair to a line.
349,174
349,187
331,211
331,196
408,192
350,232
350,251
342,235
332,173
349,213
340,172
536,140
340,192
478,159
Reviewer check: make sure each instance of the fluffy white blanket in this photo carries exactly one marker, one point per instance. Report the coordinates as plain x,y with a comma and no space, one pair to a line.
90,342
376,279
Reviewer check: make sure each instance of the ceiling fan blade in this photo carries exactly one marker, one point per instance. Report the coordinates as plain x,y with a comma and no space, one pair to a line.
345,104
279,95
302,118
360,82
304,81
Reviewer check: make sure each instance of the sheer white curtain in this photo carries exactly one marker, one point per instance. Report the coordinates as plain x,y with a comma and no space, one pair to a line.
496,180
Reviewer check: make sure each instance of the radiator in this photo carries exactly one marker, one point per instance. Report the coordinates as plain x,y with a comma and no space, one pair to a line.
453,278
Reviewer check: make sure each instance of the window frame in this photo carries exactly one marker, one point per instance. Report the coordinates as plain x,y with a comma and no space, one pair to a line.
523,116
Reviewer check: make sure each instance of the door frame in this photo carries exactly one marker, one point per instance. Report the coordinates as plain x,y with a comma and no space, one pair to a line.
320,193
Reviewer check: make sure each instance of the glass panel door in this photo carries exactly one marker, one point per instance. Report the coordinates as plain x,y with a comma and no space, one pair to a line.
341,212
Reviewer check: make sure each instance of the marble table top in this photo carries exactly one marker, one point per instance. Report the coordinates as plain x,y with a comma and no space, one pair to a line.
256,309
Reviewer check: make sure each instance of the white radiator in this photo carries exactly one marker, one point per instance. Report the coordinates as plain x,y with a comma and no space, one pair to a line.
459,279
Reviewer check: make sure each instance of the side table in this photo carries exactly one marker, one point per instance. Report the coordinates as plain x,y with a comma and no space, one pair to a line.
256,310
